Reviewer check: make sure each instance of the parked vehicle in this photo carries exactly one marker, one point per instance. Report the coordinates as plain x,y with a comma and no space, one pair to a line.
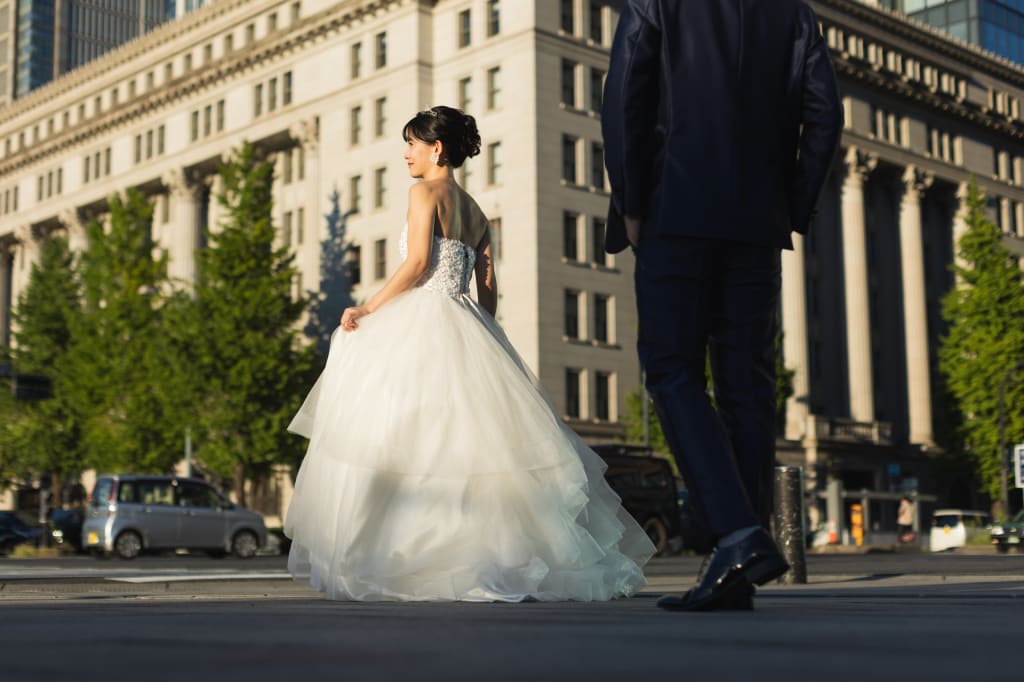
648,491
953,528
14,531
1009,534
129,513
65,527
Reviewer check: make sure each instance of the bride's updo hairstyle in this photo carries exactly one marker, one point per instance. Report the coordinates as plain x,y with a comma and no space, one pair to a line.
456,131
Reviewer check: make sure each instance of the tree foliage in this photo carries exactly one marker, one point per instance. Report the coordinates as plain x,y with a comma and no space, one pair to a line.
44,437
250,367
985,313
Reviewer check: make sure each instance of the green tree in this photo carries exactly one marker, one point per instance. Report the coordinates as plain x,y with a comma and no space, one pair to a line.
44,437
121,370
251,367
985,313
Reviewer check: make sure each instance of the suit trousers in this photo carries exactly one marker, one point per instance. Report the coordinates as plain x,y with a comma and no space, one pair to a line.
704,298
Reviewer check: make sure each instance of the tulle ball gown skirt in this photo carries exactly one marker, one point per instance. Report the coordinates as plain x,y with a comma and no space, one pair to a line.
438,471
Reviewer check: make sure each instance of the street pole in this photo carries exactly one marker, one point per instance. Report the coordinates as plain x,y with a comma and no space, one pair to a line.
1004,486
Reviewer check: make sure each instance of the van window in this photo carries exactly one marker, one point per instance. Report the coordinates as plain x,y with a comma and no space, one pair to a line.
101,493
946,521
127,491
155,492
196,495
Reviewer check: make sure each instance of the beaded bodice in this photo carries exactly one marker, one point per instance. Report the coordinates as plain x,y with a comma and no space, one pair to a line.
451,265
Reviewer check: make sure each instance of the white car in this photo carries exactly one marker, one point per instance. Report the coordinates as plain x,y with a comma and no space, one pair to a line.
953,528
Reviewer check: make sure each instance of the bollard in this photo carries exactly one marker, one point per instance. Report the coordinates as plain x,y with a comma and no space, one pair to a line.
789,522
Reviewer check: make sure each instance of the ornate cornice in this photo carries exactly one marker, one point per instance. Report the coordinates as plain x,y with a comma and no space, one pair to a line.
916,182
911,32
859,164
288,39
305,133
180,183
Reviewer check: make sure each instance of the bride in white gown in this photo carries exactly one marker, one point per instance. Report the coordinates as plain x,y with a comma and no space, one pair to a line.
437,468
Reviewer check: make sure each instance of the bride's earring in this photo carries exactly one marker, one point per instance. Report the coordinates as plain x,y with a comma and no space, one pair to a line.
434,158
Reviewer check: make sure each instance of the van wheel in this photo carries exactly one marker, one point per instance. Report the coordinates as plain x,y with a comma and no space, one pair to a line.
245,544
1002,549
657,532
128,544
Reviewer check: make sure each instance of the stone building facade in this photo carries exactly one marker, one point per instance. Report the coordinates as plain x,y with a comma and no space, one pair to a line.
326,85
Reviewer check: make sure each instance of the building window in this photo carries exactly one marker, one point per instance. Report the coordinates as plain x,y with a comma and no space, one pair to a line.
596,90
195,126
272,22
300,226
601,317
570,235
188,62
599,255
168,72
379,187
382,50
229,43
220,115
106,161
568,16
493,18
272,94
568,83
602,405
257,100
39,188
300,164
380,116
355,130
286,228
357,60
208,54
250,33
596,23
465,28
572,314
207,120
286,95
493,87
160,136
138,148
149,144
150,81
380,258
597,165
572,393
286,168
65,122
354,190
60,180
569,158
114,97
495,232
494,163
355,264
465,93
296,11
85,169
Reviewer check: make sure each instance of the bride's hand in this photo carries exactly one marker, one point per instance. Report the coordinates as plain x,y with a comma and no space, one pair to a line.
349,318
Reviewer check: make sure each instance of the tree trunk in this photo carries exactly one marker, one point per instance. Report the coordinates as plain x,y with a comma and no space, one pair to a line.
240,484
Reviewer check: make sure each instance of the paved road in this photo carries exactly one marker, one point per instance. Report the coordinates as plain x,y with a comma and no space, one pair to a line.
879,617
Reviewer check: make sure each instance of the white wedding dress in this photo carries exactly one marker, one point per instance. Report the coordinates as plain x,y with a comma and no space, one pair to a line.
437,469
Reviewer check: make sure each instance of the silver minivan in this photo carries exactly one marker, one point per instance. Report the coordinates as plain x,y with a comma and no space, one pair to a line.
129,513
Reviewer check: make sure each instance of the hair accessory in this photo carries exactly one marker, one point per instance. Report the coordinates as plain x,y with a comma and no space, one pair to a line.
429,112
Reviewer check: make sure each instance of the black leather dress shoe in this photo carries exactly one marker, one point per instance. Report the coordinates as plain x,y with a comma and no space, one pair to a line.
739,599
731,571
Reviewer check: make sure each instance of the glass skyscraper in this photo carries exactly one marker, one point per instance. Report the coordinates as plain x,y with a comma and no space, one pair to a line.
995,25
34,43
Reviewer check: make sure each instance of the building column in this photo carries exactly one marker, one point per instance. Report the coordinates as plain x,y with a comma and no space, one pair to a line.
794,339
960,223
306,134
915,306
26,254
855,281
78,240
214,211
182,234
5,295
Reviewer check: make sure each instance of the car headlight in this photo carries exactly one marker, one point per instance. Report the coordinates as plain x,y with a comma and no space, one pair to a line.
998,530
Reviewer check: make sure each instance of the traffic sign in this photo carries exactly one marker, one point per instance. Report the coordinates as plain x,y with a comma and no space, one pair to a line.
1018,464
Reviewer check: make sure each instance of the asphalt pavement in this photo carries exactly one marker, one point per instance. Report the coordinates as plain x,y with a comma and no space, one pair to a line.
877,617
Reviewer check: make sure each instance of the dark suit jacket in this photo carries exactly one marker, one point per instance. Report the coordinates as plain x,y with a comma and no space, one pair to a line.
720,120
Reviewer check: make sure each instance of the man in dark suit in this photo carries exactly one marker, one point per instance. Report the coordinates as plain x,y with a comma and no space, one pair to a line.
721,119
